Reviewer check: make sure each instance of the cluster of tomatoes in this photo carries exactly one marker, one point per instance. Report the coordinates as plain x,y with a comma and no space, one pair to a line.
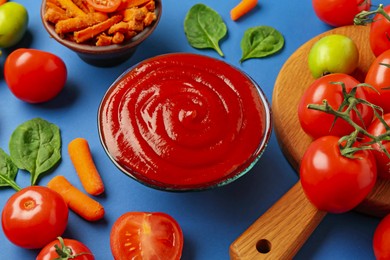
349,123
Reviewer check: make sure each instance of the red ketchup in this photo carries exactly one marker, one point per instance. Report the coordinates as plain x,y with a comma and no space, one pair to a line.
184,122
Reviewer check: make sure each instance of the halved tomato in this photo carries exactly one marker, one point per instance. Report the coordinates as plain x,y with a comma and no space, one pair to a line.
106,6
144,235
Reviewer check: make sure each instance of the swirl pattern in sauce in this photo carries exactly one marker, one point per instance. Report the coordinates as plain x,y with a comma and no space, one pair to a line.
183,121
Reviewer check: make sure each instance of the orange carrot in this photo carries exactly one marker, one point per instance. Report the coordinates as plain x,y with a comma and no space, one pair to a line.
81,157
79,202
242,8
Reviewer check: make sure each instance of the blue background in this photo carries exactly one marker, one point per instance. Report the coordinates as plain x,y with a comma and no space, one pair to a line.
211,220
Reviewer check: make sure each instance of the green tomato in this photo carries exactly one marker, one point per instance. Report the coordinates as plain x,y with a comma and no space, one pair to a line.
333,54
13,23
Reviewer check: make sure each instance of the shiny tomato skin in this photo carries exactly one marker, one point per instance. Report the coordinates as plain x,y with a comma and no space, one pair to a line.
106,6
318,123
78,248
335,183
335,53
34,216
376,128
339,12
381,239
378,76
34,76
143,235
379,33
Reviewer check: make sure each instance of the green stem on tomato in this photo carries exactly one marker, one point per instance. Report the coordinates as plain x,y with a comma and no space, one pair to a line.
366,17
64,252
349,104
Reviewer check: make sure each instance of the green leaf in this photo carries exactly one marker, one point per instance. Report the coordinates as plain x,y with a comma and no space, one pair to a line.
261,41
8,171
204,28
35,146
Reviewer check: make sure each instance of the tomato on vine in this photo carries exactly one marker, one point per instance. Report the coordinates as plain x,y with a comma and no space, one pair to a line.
379,28
379,33
339,12
332,181
317,123
377,128
378,76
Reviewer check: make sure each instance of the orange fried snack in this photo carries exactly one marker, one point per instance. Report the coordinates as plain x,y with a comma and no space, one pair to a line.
54,13
92,31
71,8
79,22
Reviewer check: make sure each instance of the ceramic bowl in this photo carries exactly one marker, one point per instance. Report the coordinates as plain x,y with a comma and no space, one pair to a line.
104,55
184,122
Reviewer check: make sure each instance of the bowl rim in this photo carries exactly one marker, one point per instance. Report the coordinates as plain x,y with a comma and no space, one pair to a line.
237,173
112,48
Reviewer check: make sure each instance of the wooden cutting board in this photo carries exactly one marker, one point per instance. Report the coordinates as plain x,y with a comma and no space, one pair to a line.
283,229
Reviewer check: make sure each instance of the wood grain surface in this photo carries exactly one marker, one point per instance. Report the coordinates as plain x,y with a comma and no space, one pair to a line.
284,228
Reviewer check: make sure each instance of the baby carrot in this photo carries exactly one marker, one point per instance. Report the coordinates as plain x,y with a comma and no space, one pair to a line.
79,202
81,158
242,8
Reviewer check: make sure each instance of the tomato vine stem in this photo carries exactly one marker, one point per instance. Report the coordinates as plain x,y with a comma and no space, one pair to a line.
366,17
348,143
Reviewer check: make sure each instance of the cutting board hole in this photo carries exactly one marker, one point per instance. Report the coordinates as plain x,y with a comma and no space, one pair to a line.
263,246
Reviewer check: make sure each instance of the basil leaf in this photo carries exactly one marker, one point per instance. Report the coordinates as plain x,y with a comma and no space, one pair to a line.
204,28
8,171
261,41
35,146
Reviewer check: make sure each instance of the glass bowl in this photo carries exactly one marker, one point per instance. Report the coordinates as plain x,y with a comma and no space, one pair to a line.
184,122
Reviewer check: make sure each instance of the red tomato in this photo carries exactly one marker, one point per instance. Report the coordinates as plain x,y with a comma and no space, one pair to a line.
379,33
34,76
142,235
318,123
332,182
382,161
339,12
34,216
66,249
378,76
381,239
106,6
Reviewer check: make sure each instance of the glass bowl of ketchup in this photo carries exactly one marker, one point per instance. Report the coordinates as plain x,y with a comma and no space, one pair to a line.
184,122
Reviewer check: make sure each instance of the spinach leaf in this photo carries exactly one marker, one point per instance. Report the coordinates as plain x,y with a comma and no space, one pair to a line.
35,146
261,41
8,171
204,28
